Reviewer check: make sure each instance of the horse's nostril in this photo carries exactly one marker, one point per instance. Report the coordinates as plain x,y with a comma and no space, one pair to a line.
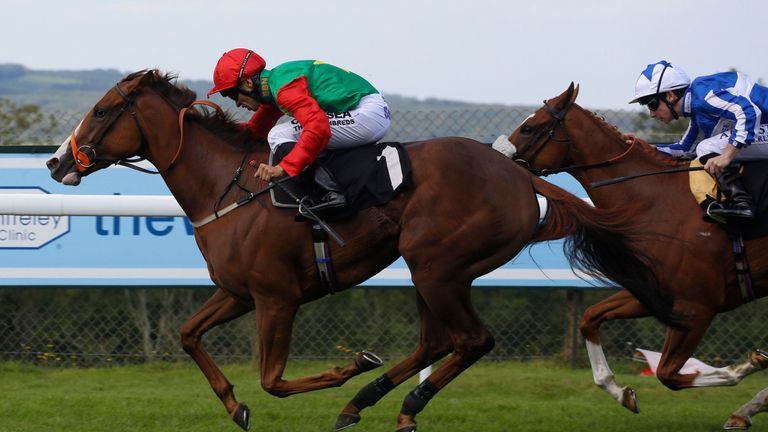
52,163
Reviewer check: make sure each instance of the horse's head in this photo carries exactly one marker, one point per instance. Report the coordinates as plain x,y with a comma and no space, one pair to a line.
110,132
541,141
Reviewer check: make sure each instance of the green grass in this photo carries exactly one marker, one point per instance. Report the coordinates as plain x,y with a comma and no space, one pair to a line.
504,396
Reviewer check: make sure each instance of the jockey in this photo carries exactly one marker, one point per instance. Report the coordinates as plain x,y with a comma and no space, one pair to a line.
726,124
331,108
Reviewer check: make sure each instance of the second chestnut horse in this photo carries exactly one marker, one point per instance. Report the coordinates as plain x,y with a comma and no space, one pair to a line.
693,259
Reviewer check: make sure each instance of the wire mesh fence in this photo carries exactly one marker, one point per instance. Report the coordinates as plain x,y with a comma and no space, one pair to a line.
481,123
90,326
98,326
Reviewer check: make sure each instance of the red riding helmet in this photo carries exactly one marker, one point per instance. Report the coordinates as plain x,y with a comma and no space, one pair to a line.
233,67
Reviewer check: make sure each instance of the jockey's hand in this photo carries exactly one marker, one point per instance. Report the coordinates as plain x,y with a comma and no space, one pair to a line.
628,138
268,172
717,164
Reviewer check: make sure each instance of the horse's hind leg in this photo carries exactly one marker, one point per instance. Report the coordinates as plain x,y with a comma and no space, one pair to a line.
275,324
434,344
220,308
450,303
741,419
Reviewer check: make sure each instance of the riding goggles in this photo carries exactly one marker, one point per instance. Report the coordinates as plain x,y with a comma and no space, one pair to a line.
652,102
230,93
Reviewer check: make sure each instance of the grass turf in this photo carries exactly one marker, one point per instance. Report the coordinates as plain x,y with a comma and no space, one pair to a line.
491,396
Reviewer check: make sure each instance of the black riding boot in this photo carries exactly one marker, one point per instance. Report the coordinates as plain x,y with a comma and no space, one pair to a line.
333,196
739,203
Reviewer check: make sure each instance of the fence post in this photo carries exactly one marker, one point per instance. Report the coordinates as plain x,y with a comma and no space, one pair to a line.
574,299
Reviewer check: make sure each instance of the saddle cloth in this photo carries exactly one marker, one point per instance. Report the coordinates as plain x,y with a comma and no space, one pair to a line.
755,177
370,175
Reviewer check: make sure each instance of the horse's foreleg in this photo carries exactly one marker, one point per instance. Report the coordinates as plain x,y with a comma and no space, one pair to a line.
741,419
434,344
731,375
220,308
275,324
622,305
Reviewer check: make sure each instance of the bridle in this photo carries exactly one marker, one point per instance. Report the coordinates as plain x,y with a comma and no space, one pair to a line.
85,156
558,120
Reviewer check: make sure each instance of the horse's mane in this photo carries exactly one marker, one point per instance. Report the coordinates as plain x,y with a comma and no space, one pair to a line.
643,145
180,96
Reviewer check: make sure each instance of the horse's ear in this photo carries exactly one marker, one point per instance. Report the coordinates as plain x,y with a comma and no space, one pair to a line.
568,95
150,76
137,79
575,93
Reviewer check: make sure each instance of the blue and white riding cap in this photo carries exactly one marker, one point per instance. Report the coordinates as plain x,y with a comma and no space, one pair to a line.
659,77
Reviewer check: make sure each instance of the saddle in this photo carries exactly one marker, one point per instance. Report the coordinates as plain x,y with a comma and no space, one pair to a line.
755,178
369,175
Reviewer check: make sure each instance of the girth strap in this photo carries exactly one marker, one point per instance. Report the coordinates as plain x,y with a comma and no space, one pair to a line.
323,259
743,273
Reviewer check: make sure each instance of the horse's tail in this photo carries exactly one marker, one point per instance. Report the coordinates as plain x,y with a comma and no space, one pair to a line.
603,244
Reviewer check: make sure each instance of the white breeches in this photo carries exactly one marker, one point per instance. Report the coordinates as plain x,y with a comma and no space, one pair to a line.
717,142
367,123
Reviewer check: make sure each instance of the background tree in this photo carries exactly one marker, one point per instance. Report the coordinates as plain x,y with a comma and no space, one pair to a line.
24,124
657,132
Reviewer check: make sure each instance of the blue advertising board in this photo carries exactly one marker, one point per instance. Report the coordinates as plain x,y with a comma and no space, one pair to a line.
161,251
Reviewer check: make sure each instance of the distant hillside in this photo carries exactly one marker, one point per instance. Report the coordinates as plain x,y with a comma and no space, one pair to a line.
77,91
64,91
68,94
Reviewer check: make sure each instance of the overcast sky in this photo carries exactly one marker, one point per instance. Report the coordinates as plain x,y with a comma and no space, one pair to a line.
495,51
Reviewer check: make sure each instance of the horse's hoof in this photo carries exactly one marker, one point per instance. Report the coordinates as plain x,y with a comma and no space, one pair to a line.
367,360
411,428
759,358
346,420
629,400
242,416
737,423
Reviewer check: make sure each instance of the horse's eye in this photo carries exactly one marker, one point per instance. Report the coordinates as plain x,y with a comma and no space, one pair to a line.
526,129
99,113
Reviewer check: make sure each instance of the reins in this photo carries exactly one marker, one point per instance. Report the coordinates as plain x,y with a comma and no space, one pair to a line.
129,163
251,195
182,113
545,172
559,120
239,203
85,156
602,183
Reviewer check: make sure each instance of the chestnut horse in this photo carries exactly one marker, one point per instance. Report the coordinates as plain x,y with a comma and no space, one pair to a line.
470,211
694,259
